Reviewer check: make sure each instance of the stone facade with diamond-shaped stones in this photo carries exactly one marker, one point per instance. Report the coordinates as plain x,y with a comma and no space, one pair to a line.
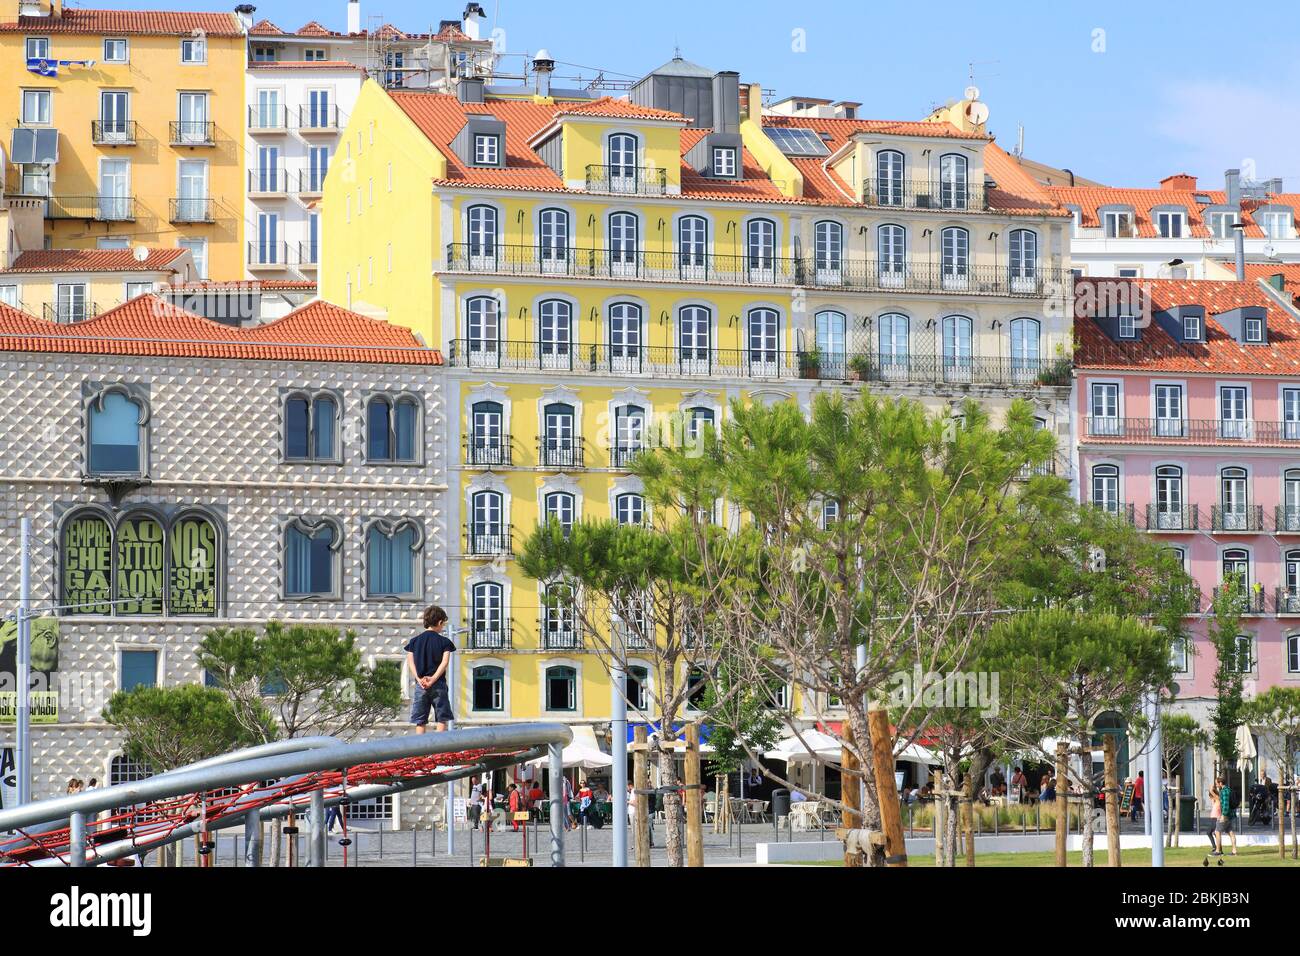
215,442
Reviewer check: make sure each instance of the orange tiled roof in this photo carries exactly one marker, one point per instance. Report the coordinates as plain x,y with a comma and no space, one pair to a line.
94,260
755,186
147,325
264,28
313,28
1090,199
611,108
147,22
1157,351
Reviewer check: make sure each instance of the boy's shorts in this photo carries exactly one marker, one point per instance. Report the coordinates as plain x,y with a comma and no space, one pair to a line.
434,698
1224,824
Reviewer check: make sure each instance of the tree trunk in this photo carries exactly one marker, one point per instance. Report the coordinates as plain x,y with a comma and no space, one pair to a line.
870,800
275,841
672,805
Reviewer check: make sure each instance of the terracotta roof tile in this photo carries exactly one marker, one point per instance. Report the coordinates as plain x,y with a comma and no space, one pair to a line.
147,325
155,22
313,28
1089,199
1157,351
95,260
754,186
264,28
612,108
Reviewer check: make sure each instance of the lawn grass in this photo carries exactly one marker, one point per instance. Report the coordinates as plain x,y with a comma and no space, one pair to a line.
1175,856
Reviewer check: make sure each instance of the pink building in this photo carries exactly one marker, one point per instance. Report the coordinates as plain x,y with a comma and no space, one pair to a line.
1188,402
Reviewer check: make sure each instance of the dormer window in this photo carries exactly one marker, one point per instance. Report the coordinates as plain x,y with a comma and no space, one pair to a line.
1254,330
487,149
1191,328
1127,327
724,162
1276,224
1221,223
1170,223
1118,224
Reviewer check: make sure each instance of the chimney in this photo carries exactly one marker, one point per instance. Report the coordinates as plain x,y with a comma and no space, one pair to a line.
1239,244
543,66
754,102
472,21
1273,186
470,89
1179,182
726,102
1232,186
244,12
354,16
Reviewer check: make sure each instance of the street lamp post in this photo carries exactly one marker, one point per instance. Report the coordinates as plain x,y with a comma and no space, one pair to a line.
23,717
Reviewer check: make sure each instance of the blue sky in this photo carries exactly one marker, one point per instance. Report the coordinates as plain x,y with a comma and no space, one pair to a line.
1184,87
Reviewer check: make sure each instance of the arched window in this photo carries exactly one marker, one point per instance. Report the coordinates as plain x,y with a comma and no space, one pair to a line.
1236,566
87,553
958,360
1105,488
625,337
1244,659
194,545
831,347
891,247
629,509
559,442
561,688
953,189
481,235
116,431
828,252
1289,520
1026,361
391,428
894,345
629,435
553,240
483,330
487,623
1291,595
555,333
694,339
392,550
487,442
697,420
889,178
763,328
311,426
311,552
559,620
140,565
697,685
1234,514
624,258
487,527
693,246
562,507
489,687
1293,654
623,165
1169,498
955,257
760,250
638,687
1022,261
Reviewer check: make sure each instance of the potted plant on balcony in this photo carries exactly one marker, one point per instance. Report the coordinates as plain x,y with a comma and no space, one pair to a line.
1057,370
810,364
860,368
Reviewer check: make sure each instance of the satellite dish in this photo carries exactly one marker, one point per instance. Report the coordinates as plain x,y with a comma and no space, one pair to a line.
141,253
977,113
972,92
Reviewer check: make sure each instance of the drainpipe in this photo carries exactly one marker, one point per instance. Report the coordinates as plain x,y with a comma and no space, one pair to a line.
1239,243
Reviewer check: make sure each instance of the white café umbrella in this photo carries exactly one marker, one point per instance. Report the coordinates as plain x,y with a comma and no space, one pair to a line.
815,744
1245,751
583,752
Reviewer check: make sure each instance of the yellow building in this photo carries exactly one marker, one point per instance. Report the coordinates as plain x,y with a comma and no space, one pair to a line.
594,269
138,140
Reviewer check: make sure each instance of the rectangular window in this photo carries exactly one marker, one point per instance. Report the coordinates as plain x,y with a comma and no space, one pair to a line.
134,289
194,50
1127,328
36,106
1233,412
116,50
263,54
9,295
724,162
486,150
36,179
1276,225
1191,328
199,250
1170,224
1128,273
312,55
139,669
1118,225
71,301
1221,224
1104,409
38,48
1254,330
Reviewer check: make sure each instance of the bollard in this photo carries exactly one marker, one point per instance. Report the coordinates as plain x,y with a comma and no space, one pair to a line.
381,839
433,842
415,847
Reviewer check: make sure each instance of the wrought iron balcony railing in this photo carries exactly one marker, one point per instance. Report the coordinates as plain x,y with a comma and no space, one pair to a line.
112,132
319,119
560,452
924,194
487,634
268,180
188,209
99,208
1192,431
263,254
621,455
488,451
192,133
560,632
1286,601
1249,518
307,181
268,119
1286,519
1252,598
308,254
69,312
632,180
1124,512
839,272
488,539
1186,518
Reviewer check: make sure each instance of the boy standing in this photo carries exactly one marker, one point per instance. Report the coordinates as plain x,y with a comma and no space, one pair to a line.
428,655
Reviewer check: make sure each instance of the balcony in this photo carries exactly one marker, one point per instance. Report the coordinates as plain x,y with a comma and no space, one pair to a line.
840,273
1186,518
308,255
55,312
563,453
487,635
488,540
188,210
1244,520
1286,601
308,182
268,119
924,194
1122,512
1286,519
560,632
621,455
488,452
627,180
91,208
1192,431
319,120
112,132
268,182
628,636
1252,602
268,256
193,133
696,361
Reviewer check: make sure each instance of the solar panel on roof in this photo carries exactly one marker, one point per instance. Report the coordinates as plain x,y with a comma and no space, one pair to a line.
796,142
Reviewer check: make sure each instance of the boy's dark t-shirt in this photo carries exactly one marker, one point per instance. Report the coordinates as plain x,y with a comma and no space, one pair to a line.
428,648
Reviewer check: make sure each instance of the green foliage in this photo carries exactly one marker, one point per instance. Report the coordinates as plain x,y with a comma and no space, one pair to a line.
1177,733
1277,712
741,722
310,675
169,727
1223,629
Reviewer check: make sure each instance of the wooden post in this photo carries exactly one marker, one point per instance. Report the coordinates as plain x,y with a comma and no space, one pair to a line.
938,820
694,798
850,793
1281,822
1062,800
641,783
882,760
970,824
1111,762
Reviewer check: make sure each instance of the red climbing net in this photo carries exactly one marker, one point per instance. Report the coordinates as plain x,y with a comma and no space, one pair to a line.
148,825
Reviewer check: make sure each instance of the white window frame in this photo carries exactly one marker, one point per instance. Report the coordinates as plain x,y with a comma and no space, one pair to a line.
724,161
27,48
126,50
487,149
192,44
39,96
